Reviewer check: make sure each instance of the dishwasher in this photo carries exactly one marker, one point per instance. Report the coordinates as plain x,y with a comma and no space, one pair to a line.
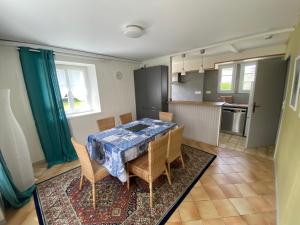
233,120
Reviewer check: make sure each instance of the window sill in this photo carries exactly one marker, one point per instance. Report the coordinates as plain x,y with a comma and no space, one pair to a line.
82,114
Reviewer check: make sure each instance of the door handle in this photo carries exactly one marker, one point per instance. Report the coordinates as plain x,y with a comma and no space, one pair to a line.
254,107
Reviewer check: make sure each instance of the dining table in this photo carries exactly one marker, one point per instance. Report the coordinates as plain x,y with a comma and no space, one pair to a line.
113,148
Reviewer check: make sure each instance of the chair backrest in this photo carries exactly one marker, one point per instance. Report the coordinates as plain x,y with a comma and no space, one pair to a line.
157,156
166,116
84,158
106,123
126,118
174,144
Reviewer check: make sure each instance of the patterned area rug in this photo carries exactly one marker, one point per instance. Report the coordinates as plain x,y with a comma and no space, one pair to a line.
59,201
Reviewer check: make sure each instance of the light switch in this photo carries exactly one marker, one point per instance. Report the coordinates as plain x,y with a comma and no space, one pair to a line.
208,92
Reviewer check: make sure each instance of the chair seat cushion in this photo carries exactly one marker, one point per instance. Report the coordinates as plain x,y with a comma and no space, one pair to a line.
140,167
99,171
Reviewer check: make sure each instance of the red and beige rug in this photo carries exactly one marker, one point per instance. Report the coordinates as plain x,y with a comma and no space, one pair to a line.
59,201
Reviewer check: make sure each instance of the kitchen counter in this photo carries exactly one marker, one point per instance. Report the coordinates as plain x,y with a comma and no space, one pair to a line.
201,120
198,103
236,105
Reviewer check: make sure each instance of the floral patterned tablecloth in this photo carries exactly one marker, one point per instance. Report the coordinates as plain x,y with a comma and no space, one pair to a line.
114,147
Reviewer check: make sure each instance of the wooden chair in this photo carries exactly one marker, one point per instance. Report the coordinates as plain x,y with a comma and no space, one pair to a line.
151,165
90,169
166,116
126,118
174,146
106,123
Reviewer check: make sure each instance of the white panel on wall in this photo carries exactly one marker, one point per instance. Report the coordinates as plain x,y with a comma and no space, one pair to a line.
202,123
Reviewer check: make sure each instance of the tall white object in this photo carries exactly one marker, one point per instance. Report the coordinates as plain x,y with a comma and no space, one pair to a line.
14,145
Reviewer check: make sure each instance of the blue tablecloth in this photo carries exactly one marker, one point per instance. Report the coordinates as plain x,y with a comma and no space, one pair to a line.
114,147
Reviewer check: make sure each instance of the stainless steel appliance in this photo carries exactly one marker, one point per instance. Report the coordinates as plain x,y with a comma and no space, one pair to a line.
233,120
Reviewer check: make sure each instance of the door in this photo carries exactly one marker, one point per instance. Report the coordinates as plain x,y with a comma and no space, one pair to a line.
265,102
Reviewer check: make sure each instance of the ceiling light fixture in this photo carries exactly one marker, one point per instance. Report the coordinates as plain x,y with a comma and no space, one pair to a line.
133,31
183,70
201,69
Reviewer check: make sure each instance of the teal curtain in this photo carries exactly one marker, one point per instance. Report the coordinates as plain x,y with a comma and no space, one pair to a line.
12,196
46,104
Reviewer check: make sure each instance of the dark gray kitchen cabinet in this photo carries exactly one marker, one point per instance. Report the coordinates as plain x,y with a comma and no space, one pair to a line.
151,91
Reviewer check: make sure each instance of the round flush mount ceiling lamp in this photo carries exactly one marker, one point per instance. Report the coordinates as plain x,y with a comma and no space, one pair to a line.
133,31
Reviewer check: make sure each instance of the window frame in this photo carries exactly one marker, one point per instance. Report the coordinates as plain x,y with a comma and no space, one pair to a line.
84,69
294,85
234,69
242,75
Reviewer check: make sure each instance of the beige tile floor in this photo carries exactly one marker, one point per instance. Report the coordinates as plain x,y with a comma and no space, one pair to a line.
237,189
235,142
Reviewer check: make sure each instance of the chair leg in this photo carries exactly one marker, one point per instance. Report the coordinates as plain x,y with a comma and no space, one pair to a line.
128,181
81,180
168,176
181,158
94,195
151,194
128,176
169,168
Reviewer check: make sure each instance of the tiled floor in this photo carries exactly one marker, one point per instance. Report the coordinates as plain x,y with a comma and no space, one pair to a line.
235,142
237,189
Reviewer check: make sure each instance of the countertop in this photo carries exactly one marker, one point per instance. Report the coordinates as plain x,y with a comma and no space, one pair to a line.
204,103
236,105
218,104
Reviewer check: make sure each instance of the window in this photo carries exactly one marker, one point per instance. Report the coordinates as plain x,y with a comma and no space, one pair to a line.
76,88
226,82
247,77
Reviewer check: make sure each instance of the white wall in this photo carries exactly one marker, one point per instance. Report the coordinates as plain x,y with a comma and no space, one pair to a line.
116,96
11,77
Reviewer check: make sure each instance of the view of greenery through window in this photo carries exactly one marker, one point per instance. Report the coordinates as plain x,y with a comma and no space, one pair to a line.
73,89
248,77
77,103
226,79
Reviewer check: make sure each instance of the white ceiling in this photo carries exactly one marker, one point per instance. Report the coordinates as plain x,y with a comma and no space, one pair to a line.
171,25
240,46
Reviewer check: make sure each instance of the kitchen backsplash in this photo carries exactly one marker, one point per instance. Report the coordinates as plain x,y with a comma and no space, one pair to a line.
191,88
203,87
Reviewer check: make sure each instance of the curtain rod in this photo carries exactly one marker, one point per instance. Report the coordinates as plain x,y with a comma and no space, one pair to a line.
64,51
